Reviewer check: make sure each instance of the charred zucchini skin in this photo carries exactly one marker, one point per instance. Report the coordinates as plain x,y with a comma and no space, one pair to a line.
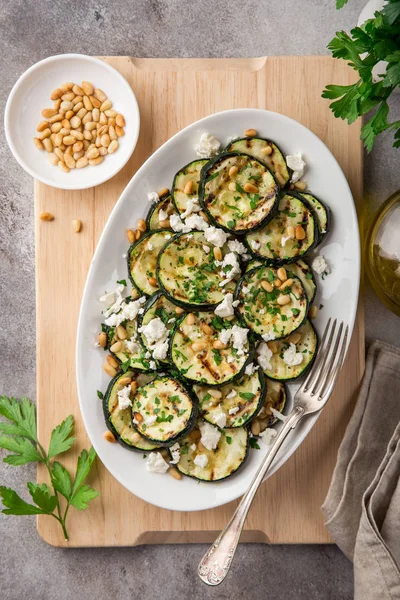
203,178
177,174
132,248
230,148
191,421
151,220
328,214
281,401
106,413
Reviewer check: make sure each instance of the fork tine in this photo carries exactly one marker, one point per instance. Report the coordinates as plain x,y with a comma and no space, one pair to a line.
316,369
331,380
329,358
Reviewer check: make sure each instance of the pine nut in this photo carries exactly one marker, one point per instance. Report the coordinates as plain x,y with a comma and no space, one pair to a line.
56,94
68,140
77,224
105,140
130,235
120,121
232,186
55,128
42,126
217,253
203,215
78,106
233,171
112,114
122,334
82,162
87,88
250,133
103,119
86,103
207,329
280,179
68,97
175,473
66,105
218,345
125,380
287,283
134,387
38,143
69,114
96,115
282,300
100,95
62,166
69,160
152,281
165,224
97,141
69,151
191,319
81,113
53,159
57,104
44,134
102,130
291,186
300,233
78,90
179,310
113,135
300,185
281,272
59,153
56,118
295,337
106,105
102,339
63,147
87,135
290,231
65,124
78,155
46,216
119,131
266,285
93,153
188,187
199,346
90,126
312,313
77,147
96,161
75,122
266,151
65,131
141,224
58,139
116,348
277,283
88,118
109,437
47,113
103,151
273,346
67,86
255,428
113,147
249,187
215,393
112,361
95,102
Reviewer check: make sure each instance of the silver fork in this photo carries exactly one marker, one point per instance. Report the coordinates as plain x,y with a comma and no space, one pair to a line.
311,397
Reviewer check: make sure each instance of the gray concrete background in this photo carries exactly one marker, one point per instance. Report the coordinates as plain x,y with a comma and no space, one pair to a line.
31,30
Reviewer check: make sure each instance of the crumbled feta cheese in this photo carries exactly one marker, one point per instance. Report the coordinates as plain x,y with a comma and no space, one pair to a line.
245,290
250,369
230,359
156,464
147,355
160,350
196,222
238,336
177,224
225,308
201,460
255,245
216,236
131,345
220,419
171,320
233,410
141,311
277,414
168,236
206,249
231,261
153,365
150,420
162,215
153,197
297,164
208,146
154,331
236,246
176,453
209,435
284,239
235,303
124,255
192,206
320,265
193,447
264,356
268,435
149,246
123,398
231,394
291,357
127,311
268,337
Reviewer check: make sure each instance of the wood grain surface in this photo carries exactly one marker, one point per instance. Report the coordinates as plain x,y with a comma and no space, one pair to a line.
172,93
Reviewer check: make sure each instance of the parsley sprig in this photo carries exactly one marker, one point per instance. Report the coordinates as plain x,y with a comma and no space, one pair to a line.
19,436
378,39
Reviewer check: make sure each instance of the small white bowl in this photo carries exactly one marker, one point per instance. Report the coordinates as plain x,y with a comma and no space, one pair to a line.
31,94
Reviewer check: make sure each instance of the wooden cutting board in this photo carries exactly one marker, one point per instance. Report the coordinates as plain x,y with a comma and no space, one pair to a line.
172,93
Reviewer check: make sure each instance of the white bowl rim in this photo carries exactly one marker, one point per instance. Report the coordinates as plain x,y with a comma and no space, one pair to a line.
10,99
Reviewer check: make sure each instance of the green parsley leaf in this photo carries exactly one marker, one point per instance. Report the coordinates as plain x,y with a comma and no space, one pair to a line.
246,395
61,439
217,357
84,464
15,505
42,496
83,496
61,479
122,282
25,450
228,439
21,414
253,443
295,311
100,394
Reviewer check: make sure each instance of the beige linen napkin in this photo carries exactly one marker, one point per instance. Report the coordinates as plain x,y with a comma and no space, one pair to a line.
362,509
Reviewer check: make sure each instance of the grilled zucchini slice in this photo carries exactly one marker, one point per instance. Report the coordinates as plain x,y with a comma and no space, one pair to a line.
153,220
190,172
273,244
190,276
321,212
119,421
208,366
262,311
274,398
163,411
240,402
266,152
222,192
304,343
300,269
142,260
158,306
131,353
224,461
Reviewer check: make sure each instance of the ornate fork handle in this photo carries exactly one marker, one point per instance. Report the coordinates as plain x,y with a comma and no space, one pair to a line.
215,564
